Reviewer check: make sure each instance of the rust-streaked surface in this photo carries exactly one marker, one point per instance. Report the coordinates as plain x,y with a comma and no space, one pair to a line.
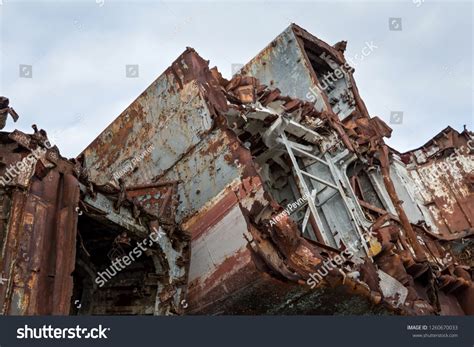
444,170
39,225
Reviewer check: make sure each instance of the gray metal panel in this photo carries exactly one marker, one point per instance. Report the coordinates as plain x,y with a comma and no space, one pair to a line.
169,120
282,65
204,173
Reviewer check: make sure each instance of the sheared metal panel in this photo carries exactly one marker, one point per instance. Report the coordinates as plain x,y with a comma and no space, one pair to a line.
283,65
409,191
156,199
172,107
401,179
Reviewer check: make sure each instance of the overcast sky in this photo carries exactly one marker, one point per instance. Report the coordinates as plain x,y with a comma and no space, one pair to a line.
78,52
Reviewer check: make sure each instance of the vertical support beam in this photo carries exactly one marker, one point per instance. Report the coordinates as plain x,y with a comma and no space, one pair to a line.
385,166
344,200
321,237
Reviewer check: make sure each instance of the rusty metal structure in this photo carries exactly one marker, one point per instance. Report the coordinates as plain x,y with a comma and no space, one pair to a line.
38,226
6,110
60,232
274,193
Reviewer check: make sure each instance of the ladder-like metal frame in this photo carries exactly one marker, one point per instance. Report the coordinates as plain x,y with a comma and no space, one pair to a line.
291,148
304,190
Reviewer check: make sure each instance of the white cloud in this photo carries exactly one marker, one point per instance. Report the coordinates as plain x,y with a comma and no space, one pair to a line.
79,52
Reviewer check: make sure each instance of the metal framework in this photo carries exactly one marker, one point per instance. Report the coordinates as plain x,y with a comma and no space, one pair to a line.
313,204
